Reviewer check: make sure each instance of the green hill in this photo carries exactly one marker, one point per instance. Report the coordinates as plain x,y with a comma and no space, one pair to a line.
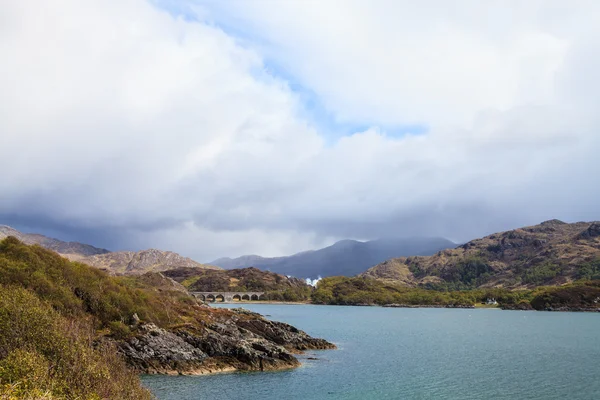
578,296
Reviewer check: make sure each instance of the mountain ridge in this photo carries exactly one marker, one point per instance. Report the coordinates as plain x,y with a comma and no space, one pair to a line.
550,253
59,246
116,262
346,257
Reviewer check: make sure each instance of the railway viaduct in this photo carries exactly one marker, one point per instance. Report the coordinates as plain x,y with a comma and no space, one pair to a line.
228,297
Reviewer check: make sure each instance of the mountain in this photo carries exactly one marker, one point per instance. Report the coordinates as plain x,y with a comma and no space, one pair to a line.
243,261
551,253
120,262
139,262
346,257
73,249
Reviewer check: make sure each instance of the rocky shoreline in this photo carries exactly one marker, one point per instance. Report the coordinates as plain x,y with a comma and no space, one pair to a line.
528,307
239,340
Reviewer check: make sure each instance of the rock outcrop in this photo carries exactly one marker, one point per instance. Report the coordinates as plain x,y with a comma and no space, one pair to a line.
240,340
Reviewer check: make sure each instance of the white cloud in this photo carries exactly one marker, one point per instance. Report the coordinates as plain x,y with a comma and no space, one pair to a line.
117,117
402,62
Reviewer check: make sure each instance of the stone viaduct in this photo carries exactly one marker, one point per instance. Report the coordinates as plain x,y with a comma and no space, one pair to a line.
228,297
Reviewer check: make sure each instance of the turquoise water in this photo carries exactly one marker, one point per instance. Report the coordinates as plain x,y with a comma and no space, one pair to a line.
387,353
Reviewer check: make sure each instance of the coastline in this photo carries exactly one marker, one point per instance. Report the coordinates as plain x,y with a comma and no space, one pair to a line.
241,303
505,307
234,340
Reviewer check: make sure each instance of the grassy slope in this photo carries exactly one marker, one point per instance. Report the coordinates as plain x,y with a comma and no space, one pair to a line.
53,310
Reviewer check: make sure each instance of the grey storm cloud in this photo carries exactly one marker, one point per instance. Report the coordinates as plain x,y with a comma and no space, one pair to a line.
128,127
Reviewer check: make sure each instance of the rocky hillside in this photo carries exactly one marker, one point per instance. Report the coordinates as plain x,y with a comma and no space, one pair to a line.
67,323
346,257
551,253
276,286
139,262
72,249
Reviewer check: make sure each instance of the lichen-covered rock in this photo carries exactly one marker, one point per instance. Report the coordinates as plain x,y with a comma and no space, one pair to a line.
156,350
240,340
284,334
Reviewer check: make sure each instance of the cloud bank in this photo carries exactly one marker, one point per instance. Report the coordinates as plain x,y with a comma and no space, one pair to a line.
129,125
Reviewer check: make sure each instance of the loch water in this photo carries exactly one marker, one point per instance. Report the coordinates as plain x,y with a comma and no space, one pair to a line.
422,353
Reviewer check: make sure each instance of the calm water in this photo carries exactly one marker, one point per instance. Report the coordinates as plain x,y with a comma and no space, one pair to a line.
389,353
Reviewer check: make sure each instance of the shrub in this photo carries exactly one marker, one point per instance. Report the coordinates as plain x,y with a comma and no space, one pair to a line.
541,273
44,352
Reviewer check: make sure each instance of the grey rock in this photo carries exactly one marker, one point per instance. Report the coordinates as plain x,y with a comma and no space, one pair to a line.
242,341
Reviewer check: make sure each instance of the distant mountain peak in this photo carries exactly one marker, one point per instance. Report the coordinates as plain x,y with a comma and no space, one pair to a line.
346,257
553,222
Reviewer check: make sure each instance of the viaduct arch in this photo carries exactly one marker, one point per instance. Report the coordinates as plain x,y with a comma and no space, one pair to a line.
228,297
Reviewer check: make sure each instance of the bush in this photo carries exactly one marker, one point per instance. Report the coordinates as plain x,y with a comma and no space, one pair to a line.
589,270
119,330
44,352
26,369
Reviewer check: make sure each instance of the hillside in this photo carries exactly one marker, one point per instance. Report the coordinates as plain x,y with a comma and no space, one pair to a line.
346,258
70,331
72,249
340,290
551,253
152,260
275,286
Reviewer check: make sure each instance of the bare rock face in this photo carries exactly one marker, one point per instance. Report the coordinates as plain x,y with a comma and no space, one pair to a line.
245,341
592,232
156,350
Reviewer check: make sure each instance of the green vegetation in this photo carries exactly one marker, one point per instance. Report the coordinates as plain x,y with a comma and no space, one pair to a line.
589,270
355,291
468,273
581,295
349,291
45,354
56,317
541,273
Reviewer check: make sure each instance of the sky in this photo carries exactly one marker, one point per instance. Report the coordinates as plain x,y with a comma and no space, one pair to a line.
222,128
